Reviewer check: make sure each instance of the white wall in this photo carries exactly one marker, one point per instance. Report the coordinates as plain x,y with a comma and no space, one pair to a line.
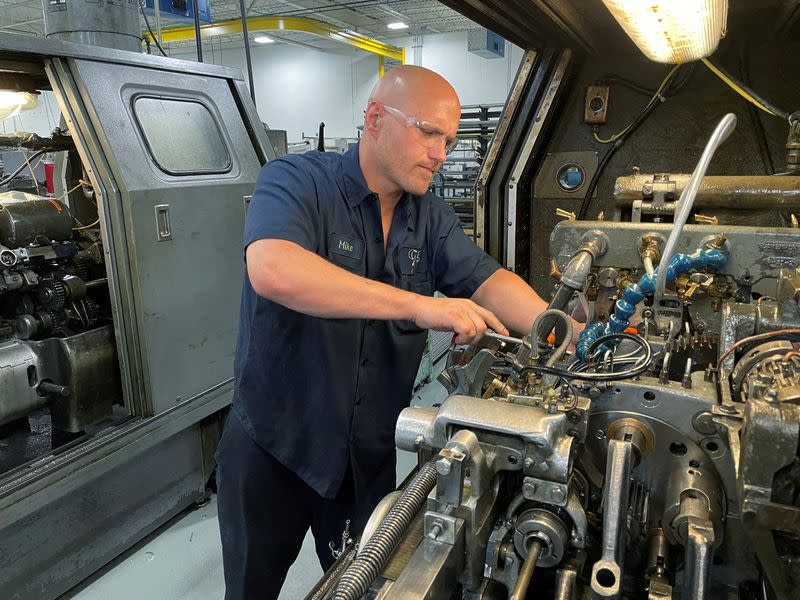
296,87
477,80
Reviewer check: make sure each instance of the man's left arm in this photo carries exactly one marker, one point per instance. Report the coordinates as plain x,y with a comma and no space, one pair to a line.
511,299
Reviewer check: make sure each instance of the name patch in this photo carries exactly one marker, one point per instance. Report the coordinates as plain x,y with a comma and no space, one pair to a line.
412,260
347,245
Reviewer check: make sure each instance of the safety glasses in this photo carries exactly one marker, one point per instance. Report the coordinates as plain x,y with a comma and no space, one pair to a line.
431,134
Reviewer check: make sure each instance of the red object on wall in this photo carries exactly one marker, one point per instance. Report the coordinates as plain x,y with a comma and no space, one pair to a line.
49,171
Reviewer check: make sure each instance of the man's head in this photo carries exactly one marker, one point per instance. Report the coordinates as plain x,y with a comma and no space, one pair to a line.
411,116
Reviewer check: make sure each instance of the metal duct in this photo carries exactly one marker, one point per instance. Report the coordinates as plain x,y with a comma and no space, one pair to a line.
108,24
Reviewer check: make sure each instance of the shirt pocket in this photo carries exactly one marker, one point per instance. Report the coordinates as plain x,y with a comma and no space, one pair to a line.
418,283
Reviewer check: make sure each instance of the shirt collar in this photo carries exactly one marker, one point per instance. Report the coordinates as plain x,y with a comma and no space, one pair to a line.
356,188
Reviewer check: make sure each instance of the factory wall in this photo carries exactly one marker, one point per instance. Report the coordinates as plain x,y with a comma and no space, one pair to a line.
297,88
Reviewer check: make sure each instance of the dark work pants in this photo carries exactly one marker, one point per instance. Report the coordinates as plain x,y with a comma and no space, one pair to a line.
265,511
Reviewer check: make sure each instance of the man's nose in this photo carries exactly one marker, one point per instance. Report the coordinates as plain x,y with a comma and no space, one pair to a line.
437,152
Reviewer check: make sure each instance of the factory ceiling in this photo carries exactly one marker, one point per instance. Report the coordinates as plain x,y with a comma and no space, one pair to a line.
367,17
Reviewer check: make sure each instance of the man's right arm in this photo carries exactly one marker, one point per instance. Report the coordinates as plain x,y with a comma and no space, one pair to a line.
286,273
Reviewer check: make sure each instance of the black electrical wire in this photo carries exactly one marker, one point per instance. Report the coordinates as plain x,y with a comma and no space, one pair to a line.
627,374
150,29
774,109
672,89
587,197
22,167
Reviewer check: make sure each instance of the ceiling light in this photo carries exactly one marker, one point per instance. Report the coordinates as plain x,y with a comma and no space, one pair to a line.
397,25
263,39
672,31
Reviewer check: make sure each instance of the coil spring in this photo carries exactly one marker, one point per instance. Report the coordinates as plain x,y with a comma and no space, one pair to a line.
372,558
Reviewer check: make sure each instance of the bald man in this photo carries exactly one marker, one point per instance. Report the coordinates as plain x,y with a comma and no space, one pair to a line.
343,255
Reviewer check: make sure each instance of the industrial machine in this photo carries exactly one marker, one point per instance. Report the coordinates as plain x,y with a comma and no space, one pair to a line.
118,293
659,458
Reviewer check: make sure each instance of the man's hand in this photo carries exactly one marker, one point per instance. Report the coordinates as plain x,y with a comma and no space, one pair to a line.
468,320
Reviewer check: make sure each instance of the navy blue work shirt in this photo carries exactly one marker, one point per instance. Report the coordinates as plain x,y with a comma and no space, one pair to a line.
322,395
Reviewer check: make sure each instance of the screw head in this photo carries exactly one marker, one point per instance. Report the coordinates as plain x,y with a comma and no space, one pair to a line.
443,466
557,495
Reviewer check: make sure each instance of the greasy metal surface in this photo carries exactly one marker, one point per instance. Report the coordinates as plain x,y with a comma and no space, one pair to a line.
24,217
740,192
37,549
87,364
432,573
753,252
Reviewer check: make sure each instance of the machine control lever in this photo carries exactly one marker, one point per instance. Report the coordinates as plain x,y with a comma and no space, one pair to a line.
607,572
48,387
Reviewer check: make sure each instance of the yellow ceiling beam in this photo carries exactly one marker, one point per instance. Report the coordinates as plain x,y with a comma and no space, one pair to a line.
313,26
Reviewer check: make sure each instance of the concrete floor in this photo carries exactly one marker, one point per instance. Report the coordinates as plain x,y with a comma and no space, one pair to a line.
183,559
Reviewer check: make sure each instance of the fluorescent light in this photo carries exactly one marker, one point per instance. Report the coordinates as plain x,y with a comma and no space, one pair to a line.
263,39
672,31
12,102
397,25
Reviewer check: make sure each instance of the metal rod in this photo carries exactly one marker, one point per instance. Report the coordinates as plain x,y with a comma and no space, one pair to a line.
157,9
246,40
699,553
198,41
725,127
607,572
732,192
566,583
526,572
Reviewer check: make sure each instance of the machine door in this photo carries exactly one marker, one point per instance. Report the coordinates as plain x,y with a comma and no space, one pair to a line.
182,159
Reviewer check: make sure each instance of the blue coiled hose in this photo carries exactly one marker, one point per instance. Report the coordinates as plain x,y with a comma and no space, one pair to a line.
634,293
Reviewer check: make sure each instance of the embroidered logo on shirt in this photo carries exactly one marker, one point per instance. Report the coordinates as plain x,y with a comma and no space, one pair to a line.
412,260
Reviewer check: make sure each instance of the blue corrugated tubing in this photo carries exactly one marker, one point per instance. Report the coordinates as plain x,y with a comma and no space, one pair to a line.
634,293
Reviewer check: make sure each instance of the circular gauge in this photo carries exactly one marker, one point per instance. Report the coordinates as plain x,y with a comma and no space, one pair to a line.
570,177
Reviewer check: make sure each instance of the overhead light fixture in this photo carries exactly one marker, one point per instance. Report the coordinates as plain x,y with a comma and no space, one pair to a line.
397,25
17,93
672,31
263,39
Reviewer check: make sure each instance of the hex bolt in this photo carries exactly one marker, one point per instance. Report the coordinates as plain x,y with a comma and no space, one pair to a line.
557,495
443,466
529,489
528,463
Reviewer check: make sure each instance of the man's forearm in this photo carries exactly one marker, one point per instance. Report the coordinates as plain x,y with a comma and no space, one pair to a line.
511,299
305,282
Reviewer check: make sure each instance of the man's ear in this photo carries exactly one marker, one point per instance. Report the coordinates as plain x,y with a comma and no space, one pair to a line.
372,116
